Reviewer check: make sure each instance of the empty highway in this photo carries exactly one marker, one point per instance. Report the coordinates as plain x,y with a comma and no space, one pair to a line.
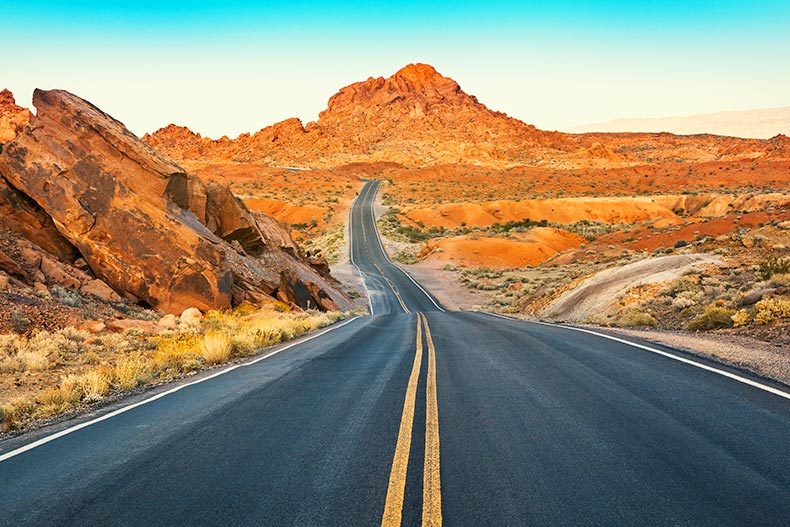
419,416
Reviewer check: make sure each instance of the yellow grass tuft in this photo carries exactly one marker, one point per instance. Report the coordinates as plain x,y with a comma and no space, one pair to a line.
176,354
216,347
94,385
130,371
58,399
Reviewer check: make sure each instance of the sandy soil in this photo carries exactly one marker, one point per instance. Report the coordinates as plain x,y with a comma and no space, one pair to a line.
446,287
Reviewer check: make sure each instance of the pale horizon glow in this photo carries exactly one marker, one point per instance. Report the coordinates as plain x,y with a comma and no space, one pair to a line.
223,70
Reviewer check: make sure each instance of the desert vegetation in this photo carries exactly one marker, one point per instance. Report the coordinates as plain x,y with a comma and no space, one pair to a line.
47,373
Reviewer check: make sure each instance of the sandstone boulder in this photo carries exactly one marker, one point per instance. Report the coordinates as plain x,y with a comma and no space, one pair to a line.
107,193
168,321
752,297
100,290
25,218
191,316
81,186
94,326
57,273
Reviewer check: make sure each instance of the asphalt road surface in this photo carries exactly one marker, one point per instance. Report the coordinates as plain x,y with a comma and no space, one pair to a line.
417,416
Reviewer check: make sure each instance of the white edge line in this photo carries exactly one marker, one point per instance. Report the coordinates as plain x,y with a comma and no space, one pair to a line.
724,373
399,268
119,411
351,252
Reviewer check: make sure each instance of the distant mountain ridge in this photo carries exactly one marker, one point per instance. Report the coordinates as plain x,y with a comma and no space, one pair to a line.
757,124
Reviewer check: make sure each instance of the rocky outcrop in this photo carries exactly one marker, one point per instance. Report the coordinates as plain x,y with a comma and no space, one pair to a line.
145,228
13,118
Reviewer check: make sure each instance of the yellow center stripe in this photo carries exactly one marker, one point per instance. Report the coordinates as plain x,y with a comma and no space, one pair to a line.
432,487
393,507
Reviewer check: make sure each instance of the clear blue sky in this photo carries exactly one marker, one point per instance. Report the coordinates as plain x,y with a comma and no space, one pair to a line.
230,67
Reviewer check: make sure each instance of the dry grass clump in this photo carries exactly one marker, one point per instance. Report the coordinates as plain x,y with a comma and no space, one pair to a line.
58,399
94,384
41,350
216,348
130,371
176,354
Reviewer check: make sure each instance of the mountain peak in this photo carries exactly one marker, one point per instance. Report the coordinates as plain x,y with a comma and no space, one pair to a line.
420,74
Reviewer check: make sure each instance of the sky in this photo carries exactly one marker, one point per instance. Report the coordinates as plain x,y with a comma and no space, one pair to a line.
225,68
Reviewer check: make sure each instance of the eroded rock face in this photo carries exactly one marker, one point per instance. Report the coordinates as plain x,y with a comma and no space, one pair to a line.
145,227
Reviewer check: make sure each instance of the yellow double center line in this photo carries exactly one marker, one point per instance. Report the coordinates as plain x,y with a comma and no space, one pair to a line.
432,491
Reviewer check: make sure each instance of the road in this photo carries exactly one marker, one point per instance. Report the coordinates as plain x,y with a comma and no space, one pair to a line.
418,416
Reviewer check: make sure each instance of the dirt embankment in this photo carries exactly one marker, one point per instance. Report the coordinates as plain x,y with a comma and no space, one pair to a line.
517,250
600,294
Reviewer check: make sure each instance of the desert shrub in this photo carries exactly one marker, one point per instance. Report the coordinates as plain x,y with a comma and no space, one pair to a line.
216,347
32,360
678,286
20,322
18,355
771,309
685,299
65,343
680,243
9,345
780,280
69,297
91,358
772,265
741,318
634,317
712,317
14,412
115,342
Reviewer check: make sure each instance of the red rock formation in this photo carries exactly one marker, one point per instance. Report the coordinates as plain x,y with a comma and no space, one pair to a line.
144,226
13,118
418,117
